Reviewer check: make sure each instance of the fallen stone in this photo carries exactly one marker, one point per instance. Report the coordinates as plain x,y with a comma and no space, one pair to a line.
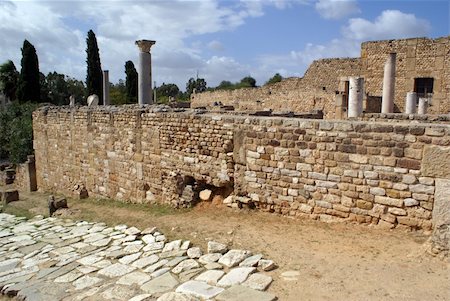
251,261
185,265
195,252
172,246
234,257
118,292
175,261
159,272
188,275
69,277
290,275
266,265
213,266
143,297
216,247
205,195
209,258
132,231
236,276
130,258
243,293
199,289
148,239
155,266
258,281
149,230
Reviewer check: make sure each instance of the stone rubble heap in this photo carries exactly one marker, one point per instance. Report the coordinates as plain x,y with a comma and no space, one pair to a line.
56,259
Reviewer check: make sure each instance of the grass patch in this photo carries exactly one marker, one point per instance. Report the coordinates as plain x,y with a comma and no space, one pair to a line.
152,209
17,211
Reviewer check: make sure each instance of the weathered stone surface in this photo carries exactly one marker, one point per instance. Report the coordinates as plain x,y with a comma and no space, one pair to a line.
116,270
436,161
210,277
132,278
266,264
236,276
258,281
208,258
234,257
216,247
195,252
160,284
290,275
199,289
243,293
174,296
185,265
145,261
251,261
86,281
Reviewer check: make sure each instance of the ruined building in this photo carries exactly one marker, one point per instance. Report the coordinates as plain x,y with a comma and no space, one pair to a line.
422,65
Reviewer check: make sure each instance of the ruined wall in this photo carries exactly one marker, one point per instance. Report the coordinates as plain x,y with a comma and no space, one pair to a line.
315,90
381,173
416,58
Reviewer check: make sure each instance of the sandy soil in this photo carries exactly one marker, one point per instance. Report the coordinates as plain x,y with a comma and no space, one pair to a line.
334,261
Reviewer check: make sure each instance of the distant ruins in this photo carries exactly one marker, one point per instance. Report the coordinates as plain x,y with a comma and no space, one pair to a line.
421,65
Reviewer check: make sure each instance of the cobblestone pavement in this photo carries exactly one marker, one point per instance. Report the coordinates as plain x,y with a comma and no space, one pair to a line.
56,259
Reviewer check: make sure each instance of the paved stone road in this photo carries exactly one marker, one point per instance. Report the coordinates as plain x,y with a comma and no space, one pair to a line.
55,259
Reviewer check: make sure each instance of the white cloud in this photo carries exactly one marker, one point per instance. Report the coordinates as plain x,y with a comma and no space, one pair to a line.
216,46
337,9
388,25
391,24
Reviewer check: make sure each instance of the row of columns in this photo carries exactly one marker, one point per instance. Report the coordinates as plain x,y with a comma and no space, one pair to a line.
356,92
145,95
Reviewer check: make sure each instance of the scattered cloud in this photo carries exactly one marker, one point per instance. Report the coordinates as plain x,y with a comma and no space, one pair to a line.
391,24
337,9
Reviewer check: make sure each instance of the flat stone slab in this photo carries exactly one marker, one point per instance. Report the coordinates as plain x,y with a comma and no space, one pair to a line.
243,293
116,270
86,281
145,261
234,257
258,281
161,284
174,296
211,276
137,277
236,276
199,289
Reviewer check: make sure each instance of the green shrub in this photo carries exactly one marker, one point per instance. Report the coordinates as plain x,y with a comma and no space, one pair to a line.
16,131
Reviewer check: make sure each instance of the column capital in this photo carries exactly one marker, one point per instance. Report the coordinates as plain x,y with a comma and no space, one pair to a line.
145,45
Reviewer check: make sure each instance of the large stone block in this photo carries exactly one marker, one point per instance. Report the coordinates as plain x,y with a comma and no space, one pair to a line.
436,161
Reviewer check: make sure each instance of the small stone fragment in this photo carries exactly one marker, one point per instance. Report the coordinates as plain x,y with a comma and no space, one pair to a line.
216,247
195,252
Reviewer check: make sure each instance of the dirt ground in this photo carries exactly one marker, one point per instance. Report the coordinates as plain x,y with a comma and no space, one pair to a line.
334,261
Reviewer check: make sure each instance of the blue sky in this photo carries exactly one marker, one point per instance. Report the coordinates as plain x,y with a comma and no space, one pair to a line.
221,40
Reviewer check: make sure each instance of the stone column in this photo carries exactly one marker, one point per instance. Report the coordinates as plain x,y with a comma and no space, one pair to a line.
411,102
355,97
145,72
387,104
423,104
106,100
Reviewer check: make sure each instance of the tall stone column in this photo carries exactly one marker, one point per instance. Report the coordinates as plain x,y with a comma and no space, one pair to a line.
355,97
411,102
106,99
387,103
145,72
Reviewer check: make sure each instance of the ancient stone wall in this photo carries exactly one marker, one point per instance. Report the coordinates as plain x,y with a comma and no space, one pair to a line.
381,173
316,90
416,58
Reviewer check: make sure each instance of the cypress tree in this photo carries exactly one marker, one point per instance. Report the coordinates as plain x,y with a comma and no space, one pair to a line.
131,81
94,78
29,86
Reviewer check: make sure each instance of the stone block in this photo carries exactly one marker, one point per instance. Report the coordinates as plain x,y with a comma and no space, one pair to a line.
436,162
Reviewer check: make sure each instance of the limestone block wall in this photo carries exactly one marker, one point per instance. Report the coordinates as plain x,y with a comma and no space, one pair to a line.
316,90
382,173
416,58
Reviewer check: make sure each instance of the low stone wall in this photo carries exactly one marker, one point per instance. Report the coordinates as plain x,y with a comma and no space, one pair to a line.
381,173
414,118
